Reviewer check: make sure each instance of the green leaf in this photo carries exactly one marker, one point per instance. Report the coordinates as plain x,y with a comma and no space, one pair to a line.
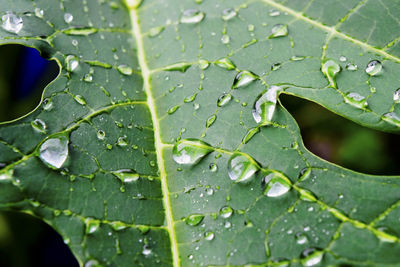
95,158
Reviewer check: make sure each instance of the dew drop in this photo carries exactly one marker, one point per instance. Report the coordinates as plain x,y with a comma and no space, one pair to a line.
122,141
330,69
277,186
225,39
126,175
210,191
250,27
342,58
39,12
241,168
356,100
92,263
12,23
80,99
74,42
396,96
172,110
228,14
47,104
226,212
194,219
250,134
54,151
191,16
68,17
203,64
92,225
274,13
297,58
243,79
276,66
311,257
191,98
224,99
304,174
351,67
264,107
225,63
118,226
146,250
374,67
209,236
180,66
213,167
39,125
279,30
72,62
301,238
210,121
392,118
125,69
227,225
190,151
88,78
156,31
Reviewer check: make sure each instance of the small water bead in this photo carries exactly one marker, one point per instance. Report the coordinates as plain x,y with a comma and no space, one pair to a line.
80,99
243,79
241,168
39,12
225,63
190,151
279,30
126,175
156,31
194,219
227,224
180,66
192,16
191,98
54,151
250,134
125,69
12,23
374,67
68,17
226,212
47,104
92,225
351,67
277,187
39,125
264,107
92,263
74,42
213,167
88,78
304,174
250,27
311,257
122,141
209,236
330,69
203,64
228,14
396,96
72,62
224,99
356,100
274,13
225,39
301,238
342,58
210,121
146,250
392,118
172,110
210,191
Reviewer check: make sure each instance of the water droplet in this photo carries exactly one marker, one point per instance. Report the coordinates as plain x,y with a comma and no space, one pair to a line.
181,66
54,151
297,58
227,225
80,31
190,151
304,174
191,98
92,225
241,168
39,12
351,67
301,238
12,23
279,30
225,39
203,64
264,107
250,27
250,133
156,31
39,125
92,263
396,96
356,100
228,14
277,186
209,236
125,70
126,175
274,13
342,58
211,120
210,191
122,141
243,78
226,212
392,118
330,69
276,66
224,99
192,16
225,63
194,219
374,67
88,78
80,99
68,17
172,110
311,257
47,104
146,250
72,62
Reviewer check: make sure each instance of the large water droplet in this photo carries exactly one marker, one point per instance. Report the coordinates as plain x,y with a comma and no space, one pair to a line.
39,125
209,236
224,99
264,107
72,62
279,30
330,69
374,67
311,257
396,96
68,17
356,100
194,219
226,212
190,151
54,151
225,63
277,186
241,168
228,14
12,23
192,16
392,118
125,69
126,175
243,78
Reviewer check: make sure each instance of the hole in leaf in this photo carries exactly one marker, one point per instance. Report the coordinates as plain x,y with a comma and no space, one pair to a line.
27,241
23,76
343,142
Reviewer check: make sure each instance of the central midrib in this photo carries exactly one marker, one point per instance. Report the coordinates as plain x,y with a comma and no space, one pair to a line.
136,32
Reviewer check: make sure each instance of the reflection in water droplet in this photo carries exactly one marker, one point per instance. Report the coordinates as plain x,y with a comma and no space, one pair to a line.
39,125
68,17
374,67
277,186
225,63
54,151
194,219
356,100
330,69
72,62
156,31
301,238
226,212
12,23
209,236
126,175
224,99
213,167
264,107
241,168
243,78
279,30
192,16
228,14
124,69
190,151
396,96
225,39
392,118
311,257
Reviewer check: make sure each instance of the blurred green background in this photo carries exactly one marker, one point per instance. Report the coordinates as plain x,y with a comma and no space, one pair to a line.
26,241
